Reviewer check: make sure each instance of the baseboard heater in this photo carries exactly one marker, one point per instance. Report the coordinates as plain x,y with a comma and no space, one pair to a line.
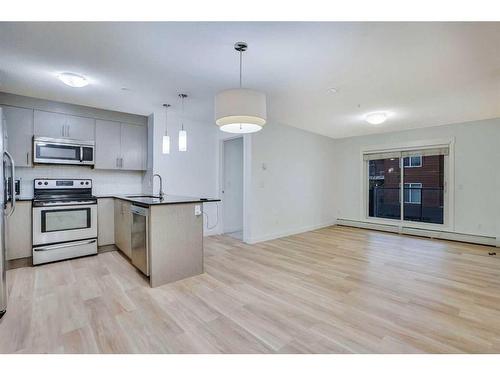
444,235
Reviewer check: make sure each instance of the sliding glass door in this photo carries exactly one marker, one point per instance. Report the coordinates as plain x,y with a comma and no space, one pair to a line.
407,185
384,178
424,189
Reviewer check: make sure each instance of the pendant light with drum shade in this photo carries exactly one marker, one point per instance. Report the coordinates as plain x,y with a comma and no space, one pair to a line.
182,132
165,147
240,110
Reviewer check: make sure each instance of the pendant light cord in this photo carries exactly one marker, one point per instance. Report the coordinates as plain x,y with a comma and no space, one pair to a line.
182,123
166,118
241,64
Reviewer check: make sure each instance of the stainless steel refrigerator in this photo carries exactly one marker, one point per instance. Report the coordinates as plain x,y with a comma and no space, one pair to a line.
7,206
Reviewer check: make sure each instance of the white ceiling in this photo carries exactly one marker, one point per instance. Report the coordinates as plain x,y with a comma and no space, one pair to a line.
424,74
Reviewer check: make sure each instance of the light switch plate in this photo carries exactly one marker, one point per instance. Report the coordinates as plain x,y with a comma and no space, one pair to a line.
197,210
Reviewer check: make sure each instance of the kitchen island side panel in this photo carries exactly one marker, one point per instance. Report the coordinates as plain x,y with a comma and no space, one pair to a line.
176,243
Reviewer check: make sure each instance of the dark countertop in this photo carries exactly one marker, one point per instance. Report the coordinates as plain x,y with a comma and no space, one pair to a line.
168,199
145,201
24,199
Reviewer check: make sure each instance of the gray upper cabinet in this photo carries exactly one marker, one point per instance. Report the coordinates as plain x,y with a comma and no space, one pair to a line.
19,123
58,125
81,128
108,144
120,146
133,142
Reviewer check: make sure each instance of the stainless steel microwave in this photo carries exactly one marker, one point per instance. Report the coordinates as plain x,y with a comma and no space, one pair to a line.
63,151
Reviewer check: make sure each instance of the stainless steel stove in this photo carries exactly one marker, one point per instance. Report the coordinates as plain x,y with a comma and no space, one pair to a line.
64,219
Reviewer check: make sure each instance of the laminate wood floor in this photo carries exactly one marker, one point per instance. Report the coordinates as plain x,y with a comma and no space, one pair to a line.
334,290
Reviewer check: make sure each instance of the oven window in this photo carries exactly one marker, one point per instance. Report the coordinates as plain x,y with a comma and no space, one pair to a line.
65,219
61,152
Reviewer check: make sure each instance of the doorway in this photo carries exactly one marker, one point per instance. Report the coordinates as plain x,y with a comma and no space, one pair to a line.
232,187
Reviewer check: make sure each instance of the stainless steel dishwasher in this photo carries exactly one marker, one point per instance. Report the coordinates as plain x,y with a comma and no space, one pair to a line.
140,240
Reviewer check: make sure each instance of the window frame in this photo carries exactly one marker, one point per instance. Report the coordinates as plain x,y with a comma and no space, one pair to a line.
410,192
449,178
410,164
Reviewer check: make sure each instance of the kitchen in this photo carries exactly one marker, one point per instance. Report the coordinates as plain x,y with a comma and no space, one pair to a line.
79,177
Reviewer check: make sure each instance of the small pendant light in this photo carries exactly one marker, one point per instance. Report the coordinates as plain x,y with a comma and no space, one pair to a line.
166,138
182,132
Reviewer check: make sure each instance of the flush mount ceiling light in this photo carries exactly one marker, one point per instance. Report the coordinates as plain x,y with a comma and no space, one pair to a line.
240,110
73,80
376,118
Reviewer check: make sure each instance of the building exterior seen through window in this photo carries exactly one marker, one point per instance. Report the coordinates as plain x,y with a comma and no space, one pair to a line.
422,192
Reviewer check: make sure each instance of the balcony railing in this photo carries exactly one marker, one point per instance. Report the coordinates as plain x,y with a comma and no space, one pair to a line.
419,204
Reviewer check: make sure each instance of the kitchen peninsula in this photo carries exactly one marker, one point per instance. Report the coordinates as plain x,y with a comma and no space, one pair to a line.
162,236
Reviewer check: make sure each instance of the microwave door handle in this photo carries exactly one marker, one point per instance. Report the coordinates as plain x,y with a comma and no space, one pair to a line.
81,154
12,184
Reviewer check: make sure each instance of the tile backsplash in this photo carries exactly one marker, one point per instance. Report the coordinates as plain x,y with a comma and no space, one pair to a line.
104,181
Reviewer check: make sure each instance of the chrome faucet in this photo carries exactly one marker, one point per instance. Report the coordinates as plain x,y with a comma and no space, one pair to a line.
162,194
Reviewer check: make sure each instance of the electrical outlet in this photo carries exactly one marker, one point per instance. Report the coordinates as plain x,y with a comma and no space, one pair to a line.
197,210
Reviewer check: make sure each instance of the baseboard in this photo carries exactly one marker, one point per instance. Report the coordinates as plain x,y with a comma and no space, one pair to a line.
106,248
273,236
429,233
19,263
212,232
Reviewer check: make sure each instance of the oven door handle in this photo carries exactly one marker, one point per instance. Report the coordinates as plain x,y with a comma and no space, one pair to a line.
62,246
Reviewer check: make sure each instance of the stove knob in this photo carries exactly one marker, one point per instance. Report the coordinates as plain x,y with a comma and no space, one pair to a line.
87,183
39,182
45,183
81,183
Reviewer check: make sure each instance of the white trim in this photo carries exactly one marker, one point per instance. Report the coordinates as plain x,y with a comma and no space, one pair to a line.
408,146
444,235
291,232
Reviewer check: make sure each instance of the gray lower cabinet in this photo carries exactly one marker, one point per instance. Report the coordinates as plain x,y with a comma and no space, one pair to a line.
17,243
105,221
121,146
58,125
19,126
123,226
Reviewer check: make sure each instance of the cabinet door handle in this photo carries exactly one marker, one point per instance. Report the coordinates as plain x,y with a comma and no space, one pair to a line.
117,163
27,158
62,131
67,131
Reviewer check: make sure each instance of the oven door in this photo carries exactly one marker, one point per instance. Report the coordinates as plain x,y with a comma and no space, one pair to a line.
64,223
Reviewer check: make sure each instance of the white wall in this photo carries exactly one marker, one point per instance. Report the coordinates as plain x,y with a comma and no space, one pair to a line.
190,173
292,182
477,172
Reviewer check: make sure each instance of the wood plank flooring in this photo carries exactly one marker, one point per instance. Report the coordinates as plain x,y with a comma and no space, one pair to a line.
334,290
